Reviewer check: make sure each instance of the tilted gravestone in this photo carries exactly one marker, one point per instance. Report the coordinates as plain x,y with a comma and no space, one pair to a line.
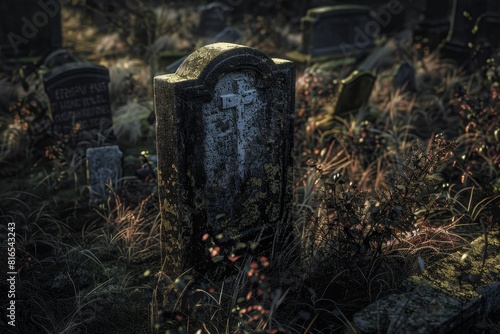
213,19
104,171
404,77
354,92
29,28
79,99
338,31
224,125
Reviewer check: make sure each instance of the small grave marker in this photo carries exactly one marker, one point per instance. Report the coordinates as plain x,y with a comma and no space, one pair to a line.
29,28
104,171
79,99
354,91
224,143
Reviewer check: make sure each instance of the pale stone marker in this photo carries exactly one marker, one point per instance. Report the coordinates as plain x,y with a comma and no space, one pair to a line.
224,143
104,171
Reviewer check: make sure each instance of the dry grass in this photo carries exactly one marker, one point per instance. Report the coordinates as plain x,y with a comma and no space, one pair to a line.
402,182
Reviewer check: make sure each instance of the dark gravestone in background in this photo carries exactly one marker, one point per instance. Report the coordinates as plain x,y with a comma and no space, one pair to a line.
79,99
391,14
28,29
337,31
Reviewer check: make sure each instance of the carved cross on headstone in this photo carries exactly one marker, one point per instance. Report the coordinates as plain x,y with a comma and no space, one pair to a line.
245,95
242,97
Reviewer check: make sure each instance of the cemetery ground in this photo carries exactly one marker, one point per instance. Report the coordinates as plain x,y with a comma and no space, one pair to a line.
382,191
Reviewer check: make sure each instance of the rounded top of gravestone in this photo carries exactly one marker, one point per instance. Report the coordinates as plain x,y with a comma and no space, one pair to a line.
207,58
76,69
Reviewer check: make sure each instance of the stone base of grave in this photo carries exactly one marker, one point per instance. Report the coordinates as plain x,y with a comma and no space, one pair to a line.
450,294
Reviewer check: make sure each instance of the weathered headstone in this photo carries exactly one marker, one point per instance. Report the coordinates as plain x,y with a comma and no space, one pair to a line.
213,19
354,92
29,28
338,31
224,125
104,171
404,77
79,99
